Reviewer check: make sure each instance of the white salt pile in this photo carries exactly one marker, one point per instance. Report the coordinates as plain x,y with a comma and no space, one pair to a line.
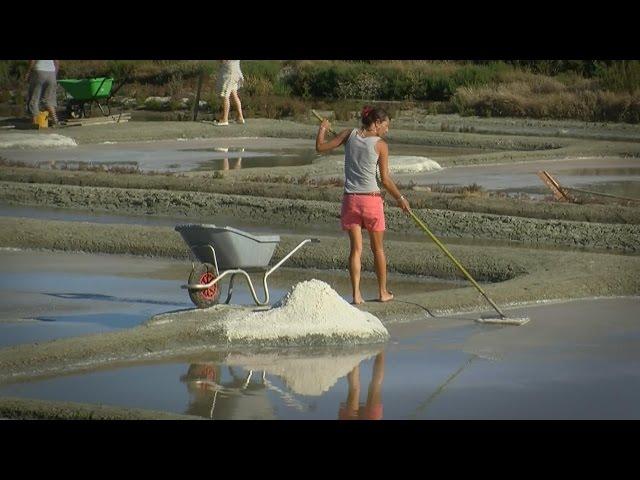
35,140
310,308
311,376
310,314
410,164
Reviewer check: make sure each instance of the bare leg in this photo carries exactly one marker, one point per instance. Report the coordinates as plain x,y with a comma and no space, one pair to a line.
225,110
375,387
355,237
374,396
238,105
353,397
380,263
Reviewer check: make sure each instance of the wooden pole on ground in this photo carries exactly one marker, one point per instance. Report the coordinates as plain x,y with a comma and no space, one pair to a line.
555,187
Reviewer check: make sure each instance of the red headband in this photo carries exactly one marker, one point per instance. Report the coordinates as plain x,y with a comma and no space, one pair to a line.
366,111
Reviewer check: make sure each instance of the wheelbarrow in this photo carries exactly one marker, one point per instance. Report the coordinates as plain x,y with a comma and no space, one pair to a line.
82,94
218,252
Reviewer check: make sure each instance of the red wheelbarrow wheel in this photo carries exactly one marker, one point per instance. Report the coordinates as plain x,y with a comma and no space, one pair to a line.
204,273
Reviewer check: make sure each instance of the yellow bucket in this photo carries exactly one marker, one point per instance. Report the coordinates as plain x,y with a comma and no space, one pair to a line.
42,120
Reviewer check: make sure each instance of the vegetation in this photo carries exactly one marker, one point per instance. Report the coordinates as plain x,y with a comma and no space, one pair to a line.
587,90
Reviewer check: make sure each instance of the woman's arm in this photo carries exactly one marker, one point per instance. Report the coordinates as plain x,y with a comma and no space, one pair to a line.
385,176
324,146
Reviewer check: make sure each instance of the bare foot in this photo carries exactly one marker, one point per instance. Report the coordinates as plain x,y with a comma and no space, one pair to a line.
357,301
386,297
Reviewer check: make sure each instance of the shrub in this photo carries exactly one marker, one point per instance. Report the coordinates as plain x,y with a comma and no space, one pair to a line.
619,75
254,85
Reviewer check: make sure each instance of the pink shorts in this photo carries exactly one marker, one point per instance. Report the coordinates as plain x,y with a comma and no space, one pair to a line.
364,211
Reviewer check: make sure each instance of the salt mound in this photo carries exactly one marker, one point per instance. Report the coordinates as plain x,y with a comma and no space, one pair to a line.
35,140
311,376
409,164
310,308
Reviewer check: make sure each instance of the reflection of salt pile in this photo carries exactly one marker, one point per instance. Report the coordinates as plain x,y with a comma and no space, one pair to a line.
310,309
35,140
409,164
303,375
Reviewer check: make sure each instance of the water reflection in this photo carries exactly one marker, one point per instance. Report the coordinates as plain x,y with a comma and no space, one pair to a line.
259,385
238,396
235,164
352,409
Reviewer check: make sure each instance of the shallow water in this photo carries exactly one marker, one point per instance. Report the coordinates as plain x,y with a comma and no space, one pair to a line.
572,360
523,176
575,360
199,154
49,295
150,157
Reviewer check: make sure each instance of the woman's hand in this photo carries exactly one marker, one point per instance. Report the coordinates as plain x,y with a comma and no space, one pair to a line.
325,125
403,204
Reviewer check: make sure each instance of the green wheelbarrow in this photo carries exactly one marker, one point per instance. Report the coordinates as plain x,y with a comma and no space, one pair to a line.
82,94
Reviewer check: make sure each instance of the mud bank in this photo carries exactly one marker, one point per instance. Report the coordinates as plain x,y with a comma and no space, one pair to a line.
524,275
267,187
421,119
162,337
28,409
615,237
260,127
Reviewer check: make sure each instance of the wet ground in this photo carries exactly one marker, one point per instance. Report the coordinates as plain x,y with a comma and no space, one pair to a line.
48,295
241,151
575,359
168,155
200,154
597,174
246,224
572,360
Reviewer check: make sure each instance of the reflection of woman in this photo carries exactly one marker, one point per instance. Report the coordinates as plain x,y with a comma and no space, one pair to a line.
237,163
372,410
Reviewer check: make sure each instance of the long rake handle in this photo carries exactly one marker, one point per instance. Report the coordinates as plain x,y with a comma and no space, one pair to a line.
456,262
321,119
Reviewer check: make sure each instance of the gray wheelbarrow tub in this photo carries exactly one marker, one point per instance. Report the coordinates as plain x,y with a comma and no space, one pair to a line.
233,248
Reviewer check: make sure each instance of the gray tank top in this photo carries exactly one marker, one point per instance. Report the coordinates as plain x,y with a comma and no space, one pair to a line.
360,164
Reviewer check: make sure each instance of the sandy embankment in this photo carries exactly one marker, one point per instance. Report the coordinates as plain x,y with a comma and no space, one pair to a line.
617,237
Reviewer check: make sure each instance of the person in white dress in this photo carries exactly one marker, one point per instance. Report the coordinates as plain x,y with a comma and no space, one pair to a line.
230,80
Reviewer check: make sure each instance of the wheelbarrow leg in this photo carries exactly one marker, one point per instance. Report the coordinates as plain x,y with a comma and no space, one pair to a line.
247,380
230,292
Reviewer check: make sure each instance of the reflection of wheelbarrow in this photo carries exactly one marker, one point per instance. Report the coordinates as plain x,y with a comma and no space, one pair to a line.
224,251
84,93
240,397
